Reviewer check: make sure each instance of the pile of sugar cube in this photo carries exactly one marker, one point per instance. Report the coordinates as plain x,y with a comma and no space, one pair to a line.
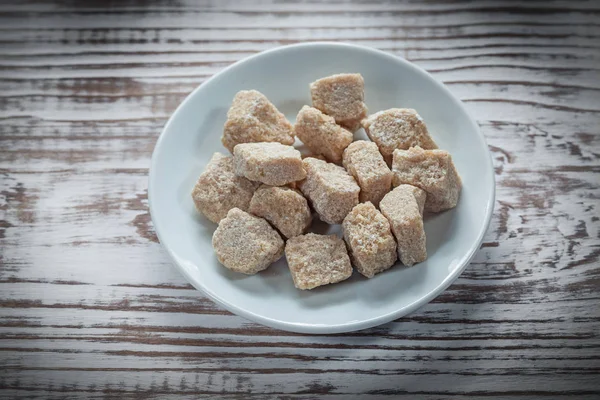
264,195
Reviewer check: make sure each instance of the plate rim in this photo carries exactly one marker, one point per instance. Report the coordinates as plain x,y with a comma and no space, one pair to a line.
347,326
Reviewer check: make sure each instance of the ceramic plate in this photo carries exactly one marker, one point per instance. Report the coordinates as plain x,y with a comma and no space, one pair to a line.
283,74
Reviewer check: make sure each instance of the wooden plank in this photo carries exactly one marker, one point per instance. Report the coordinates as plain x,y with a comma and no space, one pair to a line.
90,305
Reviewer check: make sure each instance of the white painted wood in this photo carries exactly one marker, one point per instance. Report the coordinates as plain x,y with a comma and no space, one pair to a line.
90,305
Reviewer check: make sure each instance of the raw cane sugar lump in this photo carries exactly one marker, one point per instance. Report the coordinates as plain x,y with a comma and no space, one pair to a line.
397,128
316,260
420,196
271,163
342,97
364,162
370,242
218,189
317,156
253,118
431,170
401,208
245,243
285,208
321,134
330,189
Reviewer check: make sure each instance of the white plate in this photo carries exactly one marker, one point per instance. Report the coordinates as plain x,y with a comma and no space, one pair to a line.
193,133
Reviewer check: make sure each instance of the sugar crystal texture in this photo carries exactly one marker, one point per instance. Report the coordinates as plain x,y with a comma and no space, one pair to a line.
321,134
317,156
246,243
402,208
431,170
397,128
268,162
370,242
285,208
342,97
365,163
331,191
316,260
218,189
253,118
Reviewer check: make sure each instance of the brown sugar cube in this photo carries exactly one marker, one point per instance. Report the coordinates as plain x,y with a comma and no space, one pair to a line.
370,242
253,118
285,208
401,208
268,162
218,189
321,134
317,260
397,128
342,97
331,190
245,243
420,196
431,170
365,163
317,156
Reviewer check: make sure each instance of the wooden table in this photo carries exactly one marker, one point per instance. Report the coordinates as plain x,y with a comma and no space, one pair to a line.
91,306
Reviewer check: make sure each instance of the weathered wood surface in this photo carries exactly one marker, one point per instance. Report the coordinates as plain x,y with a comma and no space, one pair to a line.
92,308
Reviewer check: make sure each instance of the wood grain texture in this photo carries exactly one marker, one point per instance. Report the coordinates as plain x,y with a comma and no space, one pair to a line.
91,307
